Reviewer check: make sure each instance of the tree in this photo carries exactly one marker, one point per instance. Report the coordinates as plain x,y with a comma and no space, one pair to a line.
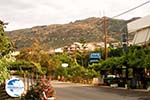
5,57
5,44
112,63
83,42
4,65
82,58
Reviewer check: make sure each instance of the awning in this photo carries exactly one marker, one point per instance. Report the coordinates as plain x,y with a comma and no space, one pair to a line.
142,36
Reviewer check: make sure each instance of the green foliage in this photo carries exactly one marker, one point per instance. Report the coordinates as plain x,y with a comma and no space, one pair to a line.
81,73
95,66
23,66
136,57
112,63
5,57
78,67
38,67
61,72
116,52
5,44
4,65
64,58
43,62
74,72
90,74
82,58
146,61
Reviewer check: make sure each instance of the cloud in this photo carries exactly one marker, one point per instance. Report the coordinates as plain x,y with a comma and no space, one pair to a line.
10,5
28,13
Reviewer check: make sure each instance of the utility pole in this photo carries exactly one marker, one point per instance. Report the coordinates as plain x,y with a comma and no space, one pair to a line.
105,38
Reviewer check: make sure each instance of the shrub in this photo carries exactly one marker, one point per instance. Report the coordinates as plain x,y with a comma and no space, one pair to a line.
36,91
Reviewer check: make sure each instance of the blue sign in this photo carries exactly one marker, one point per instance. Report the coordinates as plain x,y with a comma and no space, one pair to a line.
14,87
95,56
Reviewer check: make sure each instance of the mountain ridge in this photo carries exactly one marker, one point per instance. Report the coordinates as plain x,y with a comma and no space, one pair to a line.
58,35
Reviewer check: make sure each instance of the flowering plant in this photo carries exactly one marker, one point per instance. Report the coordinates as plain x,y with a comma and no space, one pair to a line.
43,85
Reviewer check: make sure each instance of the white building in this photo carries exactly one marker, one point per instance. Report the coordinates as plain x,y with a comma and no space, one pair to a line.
141,28
15,53
58,50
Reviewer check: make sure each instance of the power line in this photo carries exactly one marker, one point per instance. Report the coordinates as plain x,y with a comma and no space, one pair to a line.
132,9
101,22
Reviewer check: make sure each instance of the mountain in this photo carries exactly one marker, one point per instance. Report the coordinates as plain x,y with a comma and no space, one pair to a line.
58,35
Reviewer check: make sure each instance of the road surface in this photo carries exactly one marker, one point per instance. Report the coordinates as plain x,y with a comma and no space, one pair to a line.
70,91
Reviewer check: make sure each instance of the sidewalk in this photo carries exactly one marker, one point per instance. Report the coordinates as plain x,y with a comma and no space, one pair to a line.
123,88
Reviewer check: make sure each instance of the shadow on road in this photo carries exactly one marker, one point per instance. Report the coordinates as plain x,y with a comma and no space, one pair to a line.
146,98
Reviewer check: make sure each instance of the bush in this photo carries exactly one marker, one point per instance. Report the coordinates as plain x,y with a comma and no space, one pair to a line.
36,91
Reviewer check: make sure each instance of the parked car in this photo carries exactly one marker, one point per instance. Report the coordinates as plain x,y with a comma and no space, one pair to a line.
110,79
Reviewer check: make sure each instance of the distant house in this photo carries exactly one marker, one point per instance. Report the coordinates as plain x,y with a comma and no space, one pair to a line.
76,46
58,50
141,28
15,53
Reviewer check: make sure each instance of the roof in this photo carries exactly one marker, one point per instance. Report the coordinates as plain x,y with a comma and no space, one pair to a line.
1,22
139,24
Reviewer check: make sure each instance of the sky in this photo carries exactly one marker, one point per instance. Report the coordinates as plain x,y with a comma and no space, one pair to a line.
28,13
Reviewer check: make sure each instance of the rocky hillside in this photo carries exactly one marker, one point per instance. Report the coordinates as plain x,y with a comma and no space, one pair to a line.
58,35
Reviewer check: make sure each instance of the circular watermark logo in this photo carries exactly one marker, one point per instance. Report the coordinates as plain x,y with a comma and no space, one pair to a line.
14,87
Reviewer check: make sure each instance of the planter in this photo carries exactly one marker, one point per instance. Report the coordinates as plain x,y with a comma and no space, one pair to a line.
48,98
96,81
51,98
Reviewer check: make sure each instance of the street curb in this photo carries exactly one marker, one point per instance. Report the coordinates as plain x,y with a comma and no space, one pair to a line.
121,88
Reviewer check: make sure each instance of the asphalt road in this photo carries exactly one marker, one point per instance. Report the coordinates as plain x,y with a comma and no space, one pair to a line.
70,91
